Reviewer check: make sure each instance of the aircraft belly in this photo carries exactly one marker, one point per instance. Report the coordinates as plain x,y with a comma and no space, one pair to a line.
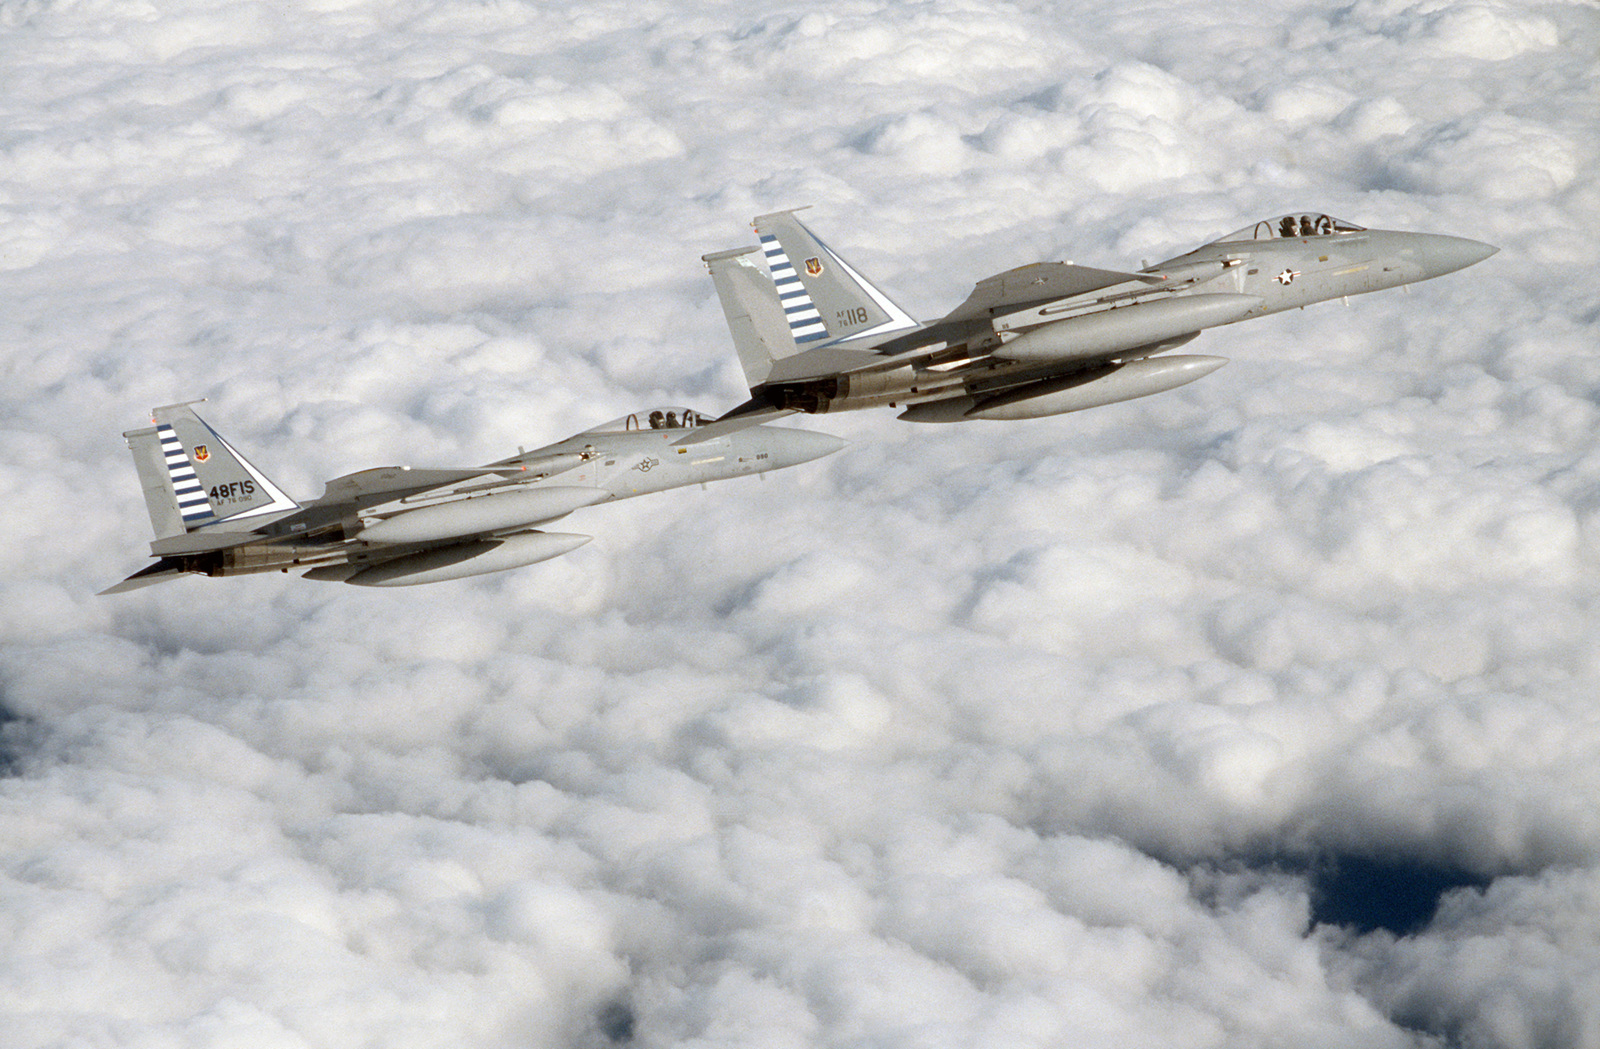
266,557
1123,382
949,410
1105,332
488,513
460,560
1089,388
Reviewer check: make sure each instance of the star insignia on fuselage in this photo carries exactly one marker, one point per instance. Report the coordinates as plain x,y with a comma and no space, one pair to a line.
1287,276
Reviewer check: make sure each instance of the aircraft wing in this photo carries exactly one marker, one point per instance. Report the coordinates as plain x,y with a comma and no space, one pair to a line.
1034,284
1015,289
383,484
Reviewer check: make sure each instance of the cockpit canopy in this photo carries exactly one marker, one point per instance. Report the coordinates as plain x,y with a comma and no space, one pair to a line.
1305,225
654,419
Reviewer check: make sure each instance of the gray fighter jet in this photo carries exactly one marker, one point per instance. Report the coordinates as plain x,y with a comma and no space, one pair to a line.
216,514
1038,340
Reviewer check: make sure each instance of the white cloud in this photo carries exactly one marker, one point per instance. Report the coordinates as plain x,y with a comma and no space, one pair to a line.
992,734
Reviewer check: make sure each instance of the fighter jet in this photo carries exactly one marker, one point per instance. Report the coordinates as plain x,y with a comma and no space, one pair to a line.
216,514
1039,340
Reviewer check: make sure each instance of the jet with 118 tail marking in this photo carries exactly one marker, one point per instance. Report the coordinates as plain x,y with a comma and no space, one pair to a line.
1039,340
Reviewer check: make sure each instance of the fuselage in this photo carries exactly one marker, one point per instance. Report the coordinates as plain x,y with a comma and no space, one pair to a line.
1290,272
629,457
1276,265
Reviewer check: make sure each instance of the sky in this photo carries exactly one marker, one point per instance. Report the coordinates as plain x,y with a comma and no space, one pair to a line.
1258,713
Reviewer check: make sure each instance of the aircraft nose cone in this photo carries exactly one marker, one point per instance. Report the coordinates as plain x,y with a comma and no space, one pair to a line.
1448,254
802,446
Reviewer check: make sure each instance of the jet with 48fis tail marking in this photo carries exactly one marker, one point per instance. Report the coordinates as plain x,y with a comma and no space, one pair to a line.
1038,340
216,514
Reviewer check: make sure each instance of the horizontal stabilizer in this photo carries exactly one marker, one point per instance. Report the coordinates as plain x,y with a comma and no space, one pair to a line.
160,572
748,414
822,363
202,542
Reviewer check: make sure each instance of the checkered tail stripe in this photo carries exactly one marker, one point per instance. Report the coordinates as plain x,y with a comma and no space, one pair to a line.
193,506
805,323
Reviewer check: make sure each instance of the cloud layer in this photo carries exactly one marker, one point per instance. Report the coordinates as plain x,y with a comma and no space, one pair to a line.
998,734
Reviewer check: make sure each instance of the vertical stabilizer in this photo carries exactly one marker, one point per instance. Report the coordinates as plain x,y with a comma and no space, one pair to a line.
166,519
761,333
202,479
825,300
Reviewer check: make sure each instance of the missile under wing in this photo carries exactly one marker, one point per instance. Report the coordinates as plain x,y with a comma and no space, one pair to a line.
214,513
817,336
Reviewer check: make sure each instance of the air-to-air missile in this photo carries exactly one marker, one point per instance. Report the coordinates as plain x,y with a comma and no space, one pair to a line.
216,514
1038,340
